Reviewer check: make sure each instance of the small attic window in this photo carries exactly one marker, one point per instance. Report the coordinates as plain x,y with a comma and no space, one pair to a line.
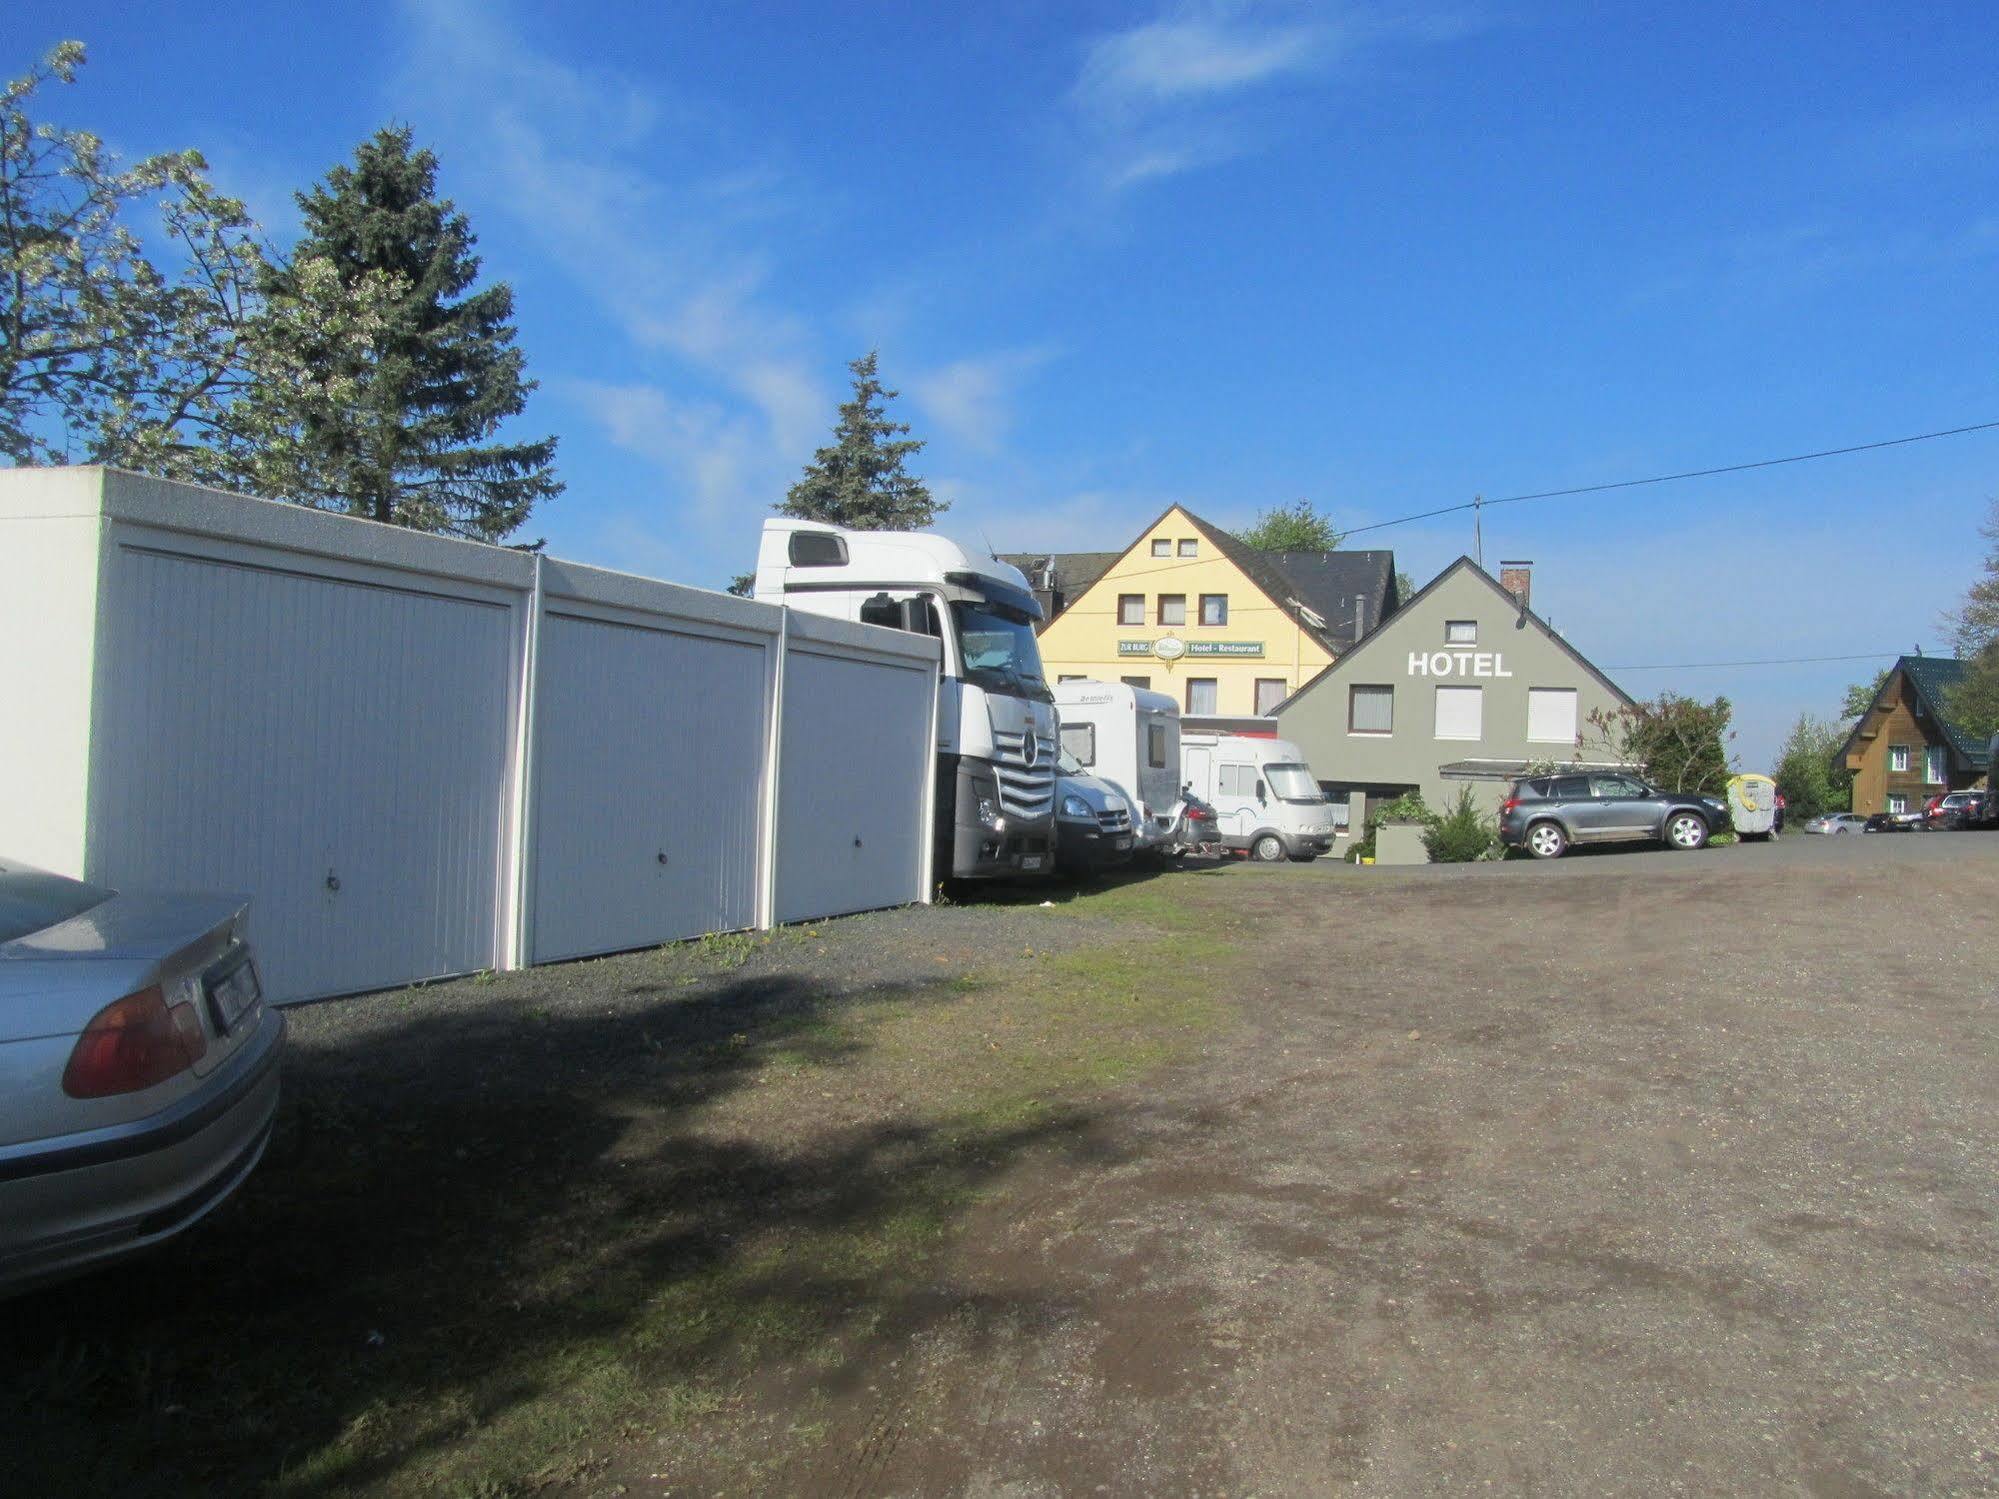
818,549
1162,547
1461,632
1189,547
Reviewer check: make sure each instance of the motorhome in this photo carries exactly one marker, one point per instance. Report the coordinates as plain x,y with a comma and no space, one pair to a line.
995,714
1264,794
1131,738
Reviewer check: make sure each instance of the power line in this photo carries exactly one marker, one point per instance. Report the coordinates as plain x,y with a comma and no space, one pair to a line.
1773,661
1692,473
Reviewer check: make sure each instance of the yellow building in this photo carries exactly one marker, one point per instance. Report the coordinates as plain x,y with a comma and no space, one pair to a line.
1188,610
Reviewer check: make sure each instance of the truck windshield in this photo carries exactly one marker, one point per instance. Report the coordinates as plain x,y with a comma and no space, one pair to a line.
1293,783
999,650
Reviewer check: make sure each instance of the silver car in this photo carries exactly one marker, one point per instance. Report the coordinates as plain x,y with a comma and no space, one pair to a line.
1836,822
138,1069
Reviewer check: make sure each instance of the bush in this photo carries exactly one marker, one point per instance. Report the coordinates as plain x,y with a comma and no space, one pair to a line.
1463,835
1408,807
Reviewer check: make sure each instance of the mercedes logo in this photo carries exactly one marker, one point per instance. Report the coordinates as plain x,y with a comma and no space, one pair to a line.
1030,748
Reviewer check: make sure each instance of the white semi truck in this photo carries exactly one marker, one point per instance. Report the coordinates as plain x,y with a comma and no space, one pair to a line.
996,742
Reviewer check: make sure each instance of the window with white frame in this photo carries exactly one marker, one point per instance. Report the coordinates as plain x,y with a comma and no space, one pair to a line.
1898,757
1460,712
1370,710
1238,780
1551,715
1897,802
1934,771
1460,632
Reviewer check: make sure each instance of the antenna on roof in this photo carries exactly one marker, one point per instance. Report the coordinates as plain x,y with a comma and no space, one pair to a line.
1477,529
986,542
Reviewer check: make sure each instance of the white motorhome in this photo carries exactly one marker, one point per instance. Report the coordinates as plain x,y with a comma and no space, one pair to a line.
1131,738
995,715
1264,794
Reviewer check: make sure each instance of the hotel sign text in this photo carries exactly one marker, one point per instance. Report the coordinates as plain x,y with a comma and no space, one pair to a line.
1457,664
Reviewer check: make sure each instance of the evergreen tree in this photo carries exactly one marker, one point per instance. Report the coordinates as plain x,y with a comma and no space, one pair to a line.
859,481
1296,527
1860,695
408,373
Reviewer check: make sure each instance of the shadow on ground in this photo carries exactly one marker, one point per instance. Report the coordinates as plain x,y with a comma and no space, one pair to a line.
463,1215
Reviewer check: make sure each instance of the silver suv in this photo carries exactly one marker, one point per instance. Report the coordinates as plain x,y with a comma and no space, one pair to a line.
1546,814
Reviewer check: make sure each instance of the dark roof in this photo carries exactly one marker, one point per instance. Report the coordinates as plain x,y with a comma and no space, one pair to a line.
1933,677
1314,579
1328,583
1074,572
1497,587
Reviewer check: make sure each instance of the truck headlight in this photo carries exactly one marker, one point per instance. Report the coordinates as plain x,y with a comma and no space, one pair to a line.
1075,806
989,815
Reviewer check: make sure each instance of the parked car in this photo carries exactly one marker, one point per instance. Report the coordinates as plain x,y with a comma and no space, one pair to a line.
1092,820
1835,822
1893,822
1960,809
1546,815
138,1069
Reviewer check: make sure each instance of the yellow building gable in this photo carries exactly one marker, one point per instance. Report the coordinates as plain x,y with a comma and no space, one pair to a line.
1175,614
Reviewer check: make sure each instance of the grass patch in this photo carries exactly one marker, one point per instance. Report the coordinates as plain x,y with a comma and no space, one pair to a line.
483,1274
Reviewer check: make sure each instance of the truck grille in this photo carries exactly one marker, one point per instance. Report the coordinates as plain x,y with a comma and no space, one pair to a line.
1025,791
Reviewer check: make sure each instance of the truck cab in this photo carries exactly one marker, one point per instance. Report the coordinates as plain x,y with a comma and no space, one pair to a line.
996,745
1265,796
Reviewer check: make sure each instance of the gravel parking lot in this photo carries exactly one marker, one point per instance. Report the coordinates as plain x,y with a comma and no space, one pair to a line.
1636,1172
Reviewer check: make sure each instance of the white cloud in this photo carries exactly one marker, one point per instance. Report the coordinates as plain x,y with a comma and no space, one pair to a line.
972,399
1177,92
1186,55
671,257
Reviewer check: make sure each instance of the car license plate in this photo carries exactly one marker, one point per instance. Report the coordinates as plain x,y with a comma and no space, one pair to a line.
1123,844
233,994
1030,861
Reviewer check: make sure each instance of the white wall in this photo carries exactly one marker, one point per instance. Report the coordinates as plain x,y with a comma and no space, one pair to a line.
49,529
421,756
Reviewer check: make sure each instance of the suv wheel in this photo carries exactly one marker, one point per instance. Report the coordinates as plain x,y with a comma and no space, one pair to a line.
1546,840
1685,830
1269,849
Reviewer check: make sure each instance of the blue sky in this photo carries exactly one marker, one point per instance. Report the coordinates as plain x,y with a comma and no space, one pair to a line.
1380,256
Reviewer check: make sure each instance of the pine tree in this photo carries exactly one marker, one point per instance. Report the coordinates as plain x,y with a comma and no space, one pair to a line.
408,372
860,482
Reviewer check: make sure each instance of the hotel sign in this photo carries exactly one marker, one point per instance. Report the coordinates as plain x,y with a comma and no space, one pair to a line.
1172,648
1457,663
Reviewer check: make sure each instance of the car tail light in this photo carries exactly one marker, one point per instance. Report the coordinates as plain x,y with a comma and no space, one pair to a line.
134,1043
1512,803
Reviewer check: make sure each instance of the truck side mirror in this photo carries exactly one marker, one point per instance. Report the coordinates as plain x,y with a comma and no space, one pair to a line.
1260,797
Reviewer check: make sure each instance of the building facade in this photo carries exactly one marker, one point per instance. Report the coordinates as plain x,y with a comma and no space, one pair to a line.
1189,610
1904,749
1464,686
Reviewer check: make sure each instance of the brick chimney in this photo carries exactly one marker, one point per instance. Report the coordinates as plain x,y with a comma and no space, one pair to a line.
1517,578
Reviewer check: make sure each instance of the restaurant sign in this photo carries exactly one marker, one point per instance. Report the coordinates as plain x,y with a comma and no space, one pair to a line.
1172,648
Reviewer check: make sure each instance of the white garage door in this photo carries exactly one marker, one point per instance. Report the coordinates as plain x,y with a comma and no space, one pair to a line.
334,750
649,769
850,794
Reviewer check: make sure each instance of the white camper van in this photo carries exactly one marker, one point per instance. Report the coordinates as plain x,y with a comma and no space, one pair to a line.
995,715
1263,793
1131,738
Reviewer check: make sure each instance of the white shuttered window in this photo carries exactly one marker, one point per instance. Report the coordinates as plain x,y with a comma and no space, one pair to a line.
1460,712
1551,715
